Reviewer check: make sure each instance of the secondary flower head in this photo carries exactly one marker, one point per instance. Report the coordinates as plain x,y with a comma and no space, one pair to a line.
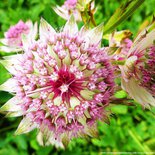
13,37
70,4
138,72
69,7
62,83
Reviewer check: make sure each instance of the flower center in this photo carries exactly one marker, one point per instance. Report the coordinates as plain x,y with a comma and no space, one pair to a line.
64,88
66,85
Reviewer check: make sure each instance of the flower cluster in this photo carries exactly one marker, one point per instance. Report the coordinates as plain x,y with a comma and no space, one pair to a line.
62,83
138,71
75,7
13,37
148,71
69,7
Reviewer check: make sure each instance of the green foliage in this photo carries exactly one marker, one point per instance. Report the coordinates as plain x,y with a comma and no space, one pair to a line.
130,128
122,13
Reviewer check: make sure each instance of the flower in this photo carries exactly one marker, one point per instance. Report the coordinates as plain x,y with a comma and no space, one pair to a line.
138,72
75,7
68,8
61,84
13,37
122,49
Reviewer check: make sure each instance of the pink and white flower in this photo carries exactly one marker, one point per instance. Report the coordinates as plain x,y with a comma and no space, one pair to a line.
13,37
61,84
69,7
138,72
74,7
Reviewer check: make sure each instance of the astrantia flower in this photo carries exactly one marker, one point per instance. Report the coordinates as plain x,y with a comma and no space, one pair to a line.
13,37
138,73
68,8
122,49
62,83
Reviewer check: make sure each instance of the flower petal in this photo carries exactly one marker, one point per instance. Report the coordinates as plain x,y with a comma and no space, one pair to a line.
12,105
26,125
9,85
128,67
51,140
46,133
45,29
33,31
61,12
15,114
4,41
74,102
138,93
8,49
87,94
95,35
143,42
71,27
10,61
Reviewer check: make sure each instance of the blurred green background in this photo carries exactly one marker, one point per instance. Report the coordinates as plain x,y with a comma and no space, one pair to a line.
131,128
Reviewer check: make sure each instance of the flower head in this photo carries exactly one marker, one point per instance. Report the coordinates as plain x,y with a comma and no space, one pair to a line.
13,37
69,7
62,83
138,72
70,4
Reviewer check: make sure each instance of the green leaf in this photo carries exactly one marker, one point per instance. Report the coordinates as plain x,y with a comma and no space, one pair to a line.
4,74
34,144
120,94
21,142
121,14
119,109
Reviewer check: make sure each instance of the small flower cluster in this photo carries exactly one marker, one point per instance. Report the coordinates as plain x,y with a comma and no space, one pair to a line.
69,7
13,35
148,71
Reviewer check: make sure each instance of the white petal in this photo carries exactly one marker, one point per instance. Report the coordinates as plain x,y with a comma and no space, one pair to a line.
87,94
128,67
74,102
61,12
12,105
13,58
8,49
44,135
84,30
15,113
4,41
45,29
25,41
138,93
9,85
33,32
143,32
71,27
29,23
10,62
95,35
26,125
56,142
57,101
143,42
